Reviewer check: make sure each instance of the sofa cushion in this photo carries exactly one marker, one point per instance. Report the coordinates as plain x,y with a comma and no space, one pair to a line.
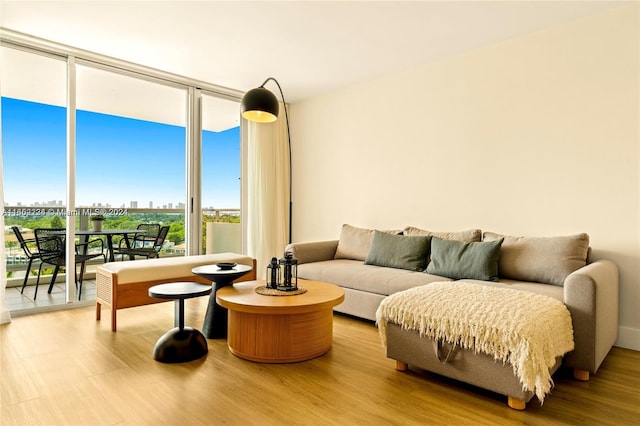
544,259
468,235
464,259
354,274
354,242
547,289
398,251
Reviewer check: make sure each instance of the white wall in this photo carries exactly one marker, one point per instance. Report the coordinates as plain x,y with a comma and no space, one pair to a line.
536,136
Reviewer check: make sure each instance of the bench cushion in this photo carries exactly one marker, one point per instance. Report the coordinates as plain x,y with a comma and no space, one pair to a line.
167,267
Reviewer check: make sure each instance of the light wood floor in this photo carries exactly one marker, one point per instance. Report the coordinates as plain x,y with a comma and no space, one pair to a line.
64,368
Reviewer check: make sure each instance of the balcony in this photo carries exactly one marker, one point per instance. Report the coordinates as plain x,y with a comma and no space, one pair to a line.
221,233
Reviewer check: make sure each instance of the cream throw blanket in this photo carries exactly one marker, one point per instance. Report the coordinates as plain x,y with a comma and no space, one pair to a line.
525,329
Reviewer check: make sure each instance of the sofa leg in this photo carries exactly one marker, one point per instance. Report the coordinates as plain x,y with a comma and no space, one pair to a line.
98,311
516,404
582,375
401,366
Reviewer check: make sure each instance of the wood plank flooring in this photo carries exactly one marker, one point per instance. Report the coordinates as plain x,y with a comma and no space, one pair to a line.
64,368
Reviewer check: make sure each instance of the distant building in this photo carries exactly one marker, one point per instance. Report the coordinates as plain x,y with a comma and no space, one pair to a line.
133,204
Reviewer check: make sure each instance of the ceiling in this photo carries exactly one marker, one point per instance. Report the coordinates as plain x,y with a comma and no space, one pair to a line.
310,47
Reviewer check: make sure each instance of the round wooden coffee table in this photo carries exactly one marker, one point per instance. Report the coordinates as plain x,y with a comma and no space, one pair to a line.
280,329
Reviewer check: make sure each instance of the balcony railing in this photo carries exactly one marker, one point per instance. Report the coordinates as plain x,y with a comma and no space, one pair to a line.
221,231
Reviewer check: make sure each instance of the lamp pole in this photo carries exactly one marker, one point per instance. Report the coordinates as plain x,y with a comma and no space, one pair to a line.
256,96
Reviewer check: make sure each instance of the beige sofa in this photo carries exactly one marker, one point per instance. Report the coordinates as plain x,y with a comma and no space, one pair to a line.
554,266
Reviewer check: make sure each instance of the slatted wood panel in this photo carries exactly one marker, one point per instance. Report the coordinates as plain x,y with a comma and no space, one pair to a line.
64,368
280,338
280,329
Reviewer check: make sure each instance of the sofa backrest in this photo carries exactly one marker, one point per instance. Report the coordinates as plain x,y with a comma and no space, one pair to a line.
540,259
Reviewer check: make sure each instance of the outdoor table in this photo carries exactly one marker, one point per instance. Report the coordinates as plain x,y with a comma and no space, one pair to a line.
109,233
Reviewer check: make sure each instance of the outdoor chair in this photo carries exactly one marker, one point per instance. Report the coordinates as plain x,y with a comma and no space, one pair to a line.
144,239
52,249
30,249
150,249
139,240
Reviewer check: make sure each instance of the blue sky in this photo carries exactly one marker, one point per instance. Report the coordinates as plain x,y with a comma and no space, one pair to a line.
118,159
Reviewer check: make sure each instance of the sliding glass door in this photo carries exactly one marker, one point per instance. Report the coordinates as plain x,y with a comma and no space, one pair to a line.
85,135
130,152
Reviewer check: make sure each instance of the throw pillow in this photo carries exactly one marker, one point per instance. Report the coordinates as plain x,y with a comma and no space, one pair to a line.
398,251
464,259
543,259
354,242
468,235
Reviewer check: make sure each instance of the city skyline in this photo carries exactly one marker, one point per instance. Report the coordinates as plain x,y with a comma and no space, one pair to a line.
118,160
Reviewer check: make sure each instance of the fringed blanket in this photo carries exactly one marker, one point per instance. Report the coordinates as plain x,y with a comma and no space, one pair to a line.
525,329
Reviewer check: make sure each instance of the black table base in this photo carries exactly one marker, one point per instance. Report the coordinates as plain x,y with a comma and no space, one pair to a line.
180,345
215,320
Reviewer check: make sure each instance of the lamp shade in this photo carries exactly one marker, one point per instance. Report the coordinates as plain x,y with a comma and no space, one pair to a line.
260,105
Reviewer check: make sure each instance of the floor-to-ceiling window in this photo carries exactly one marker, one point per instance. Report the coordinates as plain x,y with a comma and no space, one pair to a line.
221,175
130,140
33,96
130,152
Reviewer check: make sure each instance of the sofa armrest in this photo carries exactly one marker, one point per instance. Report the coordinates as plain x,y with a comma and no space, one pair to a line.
316,251
591,295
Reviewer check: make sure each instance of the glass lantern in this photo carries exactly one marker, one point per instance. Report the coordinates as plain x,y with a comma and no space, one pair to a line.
289,266
273,274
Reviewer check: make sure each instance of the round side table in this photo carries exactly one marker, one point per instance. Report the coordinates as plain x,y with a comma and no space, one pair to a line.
215,321
180,344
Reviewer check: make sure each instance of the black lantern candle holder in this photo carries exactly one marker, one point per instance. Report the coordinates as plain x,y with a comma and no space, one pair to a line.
282,274
289,266
274,276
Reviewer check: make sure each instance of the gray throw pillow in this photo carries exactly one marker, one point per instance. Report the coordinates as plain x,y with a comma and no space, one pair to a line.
459,259
398,251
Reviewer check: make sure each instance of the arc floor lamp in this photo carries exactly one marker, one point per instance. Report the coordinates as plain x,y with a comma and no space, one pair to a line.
261,106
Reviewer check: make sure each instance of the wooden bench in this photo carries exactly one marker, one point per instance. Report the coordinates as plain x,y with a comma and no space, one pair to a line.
126,284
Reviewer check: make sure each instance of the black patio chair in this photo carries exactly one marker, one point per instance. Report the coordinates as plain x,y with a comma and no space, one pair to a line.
139,240
144,239
30,248
150,249
52,249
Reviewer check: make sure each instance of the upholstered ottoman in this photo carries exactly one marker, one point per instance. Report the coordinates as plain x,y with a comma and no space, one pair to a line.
504,340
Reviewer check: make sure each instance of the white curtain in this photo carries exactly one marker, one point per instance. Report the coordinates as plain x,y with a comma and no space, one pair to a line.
5,316
267,191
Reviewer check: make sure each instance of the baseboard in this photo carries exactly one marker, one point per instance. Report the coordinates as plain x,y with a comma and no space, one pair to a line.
628,338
